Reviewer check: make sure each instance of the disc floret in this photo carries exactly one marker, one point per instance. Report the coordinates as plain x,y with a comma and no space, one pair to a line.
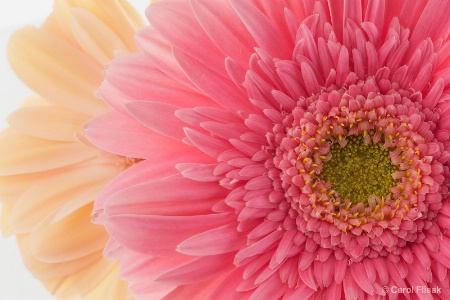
358,171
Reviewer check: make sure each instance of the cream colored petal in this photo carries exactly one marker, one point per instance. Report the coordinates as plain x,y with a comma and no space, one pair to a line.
20,154
119,15
111,288
34,100
4,218
71,238
43,199
12,187
48,122
56,70
82,282
95,37
45,271
90,193
53,27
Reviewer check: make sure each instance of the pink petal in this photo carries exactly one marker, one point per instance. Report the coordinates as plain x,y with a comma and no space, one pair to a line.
138,266
159,52
235,72
234,40
201,269
260,246
359,275
200,290
265,34
158,166
311,82
337,16
159,117
138,79
411,12
220,89
198,172
159,235
184,32
121,135
209,145
158,197
422,254
433,22
340,270
228,287
272,288
215,241
285,245
353,11
350,288
375,13
434,94
260,182
225,131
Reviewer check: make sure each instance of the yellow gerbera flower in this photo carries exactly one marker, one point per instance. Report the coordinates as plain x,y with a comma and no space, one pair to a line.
49,174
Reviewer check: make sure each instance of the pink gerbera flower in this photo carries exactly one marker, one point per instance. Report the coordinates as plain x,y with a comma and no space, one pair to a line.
293,150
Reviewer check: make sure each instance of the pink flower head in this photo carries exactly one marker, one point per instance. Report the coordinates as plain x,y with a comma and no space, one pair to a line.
292,150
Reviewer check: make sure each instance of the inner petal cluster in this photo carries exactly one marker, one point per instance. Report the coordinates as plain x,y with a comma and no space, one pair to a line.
362,161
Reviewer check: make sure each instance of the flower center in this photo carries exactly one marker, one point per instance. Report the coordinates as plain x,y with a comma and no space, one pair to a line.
358,171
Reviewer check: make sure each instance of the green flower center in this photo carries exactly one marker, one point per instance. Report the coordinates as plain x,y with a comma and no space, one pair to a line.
358,171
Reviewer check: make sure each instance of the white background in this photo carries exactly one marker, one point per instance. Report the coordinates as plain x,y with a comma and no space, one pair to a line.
15,281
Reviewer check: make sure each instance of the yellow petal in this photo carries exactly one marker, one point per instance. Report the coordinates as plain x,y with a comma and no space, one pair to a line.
71,238
56,70
111,288
13,186
95,37
34,100
48,122
82,282
91,192
20,154
53,27
43,199
43,271
119,15
4,218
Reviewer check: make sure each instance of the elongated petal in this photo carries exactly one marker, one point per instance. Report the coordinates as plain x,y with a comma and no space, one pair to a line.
45,197
157,197
22,154
154,115
185,32
160,234
234,40
95,37
216,241
87,239
204,268
220,89
68,82
113,131
48,122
